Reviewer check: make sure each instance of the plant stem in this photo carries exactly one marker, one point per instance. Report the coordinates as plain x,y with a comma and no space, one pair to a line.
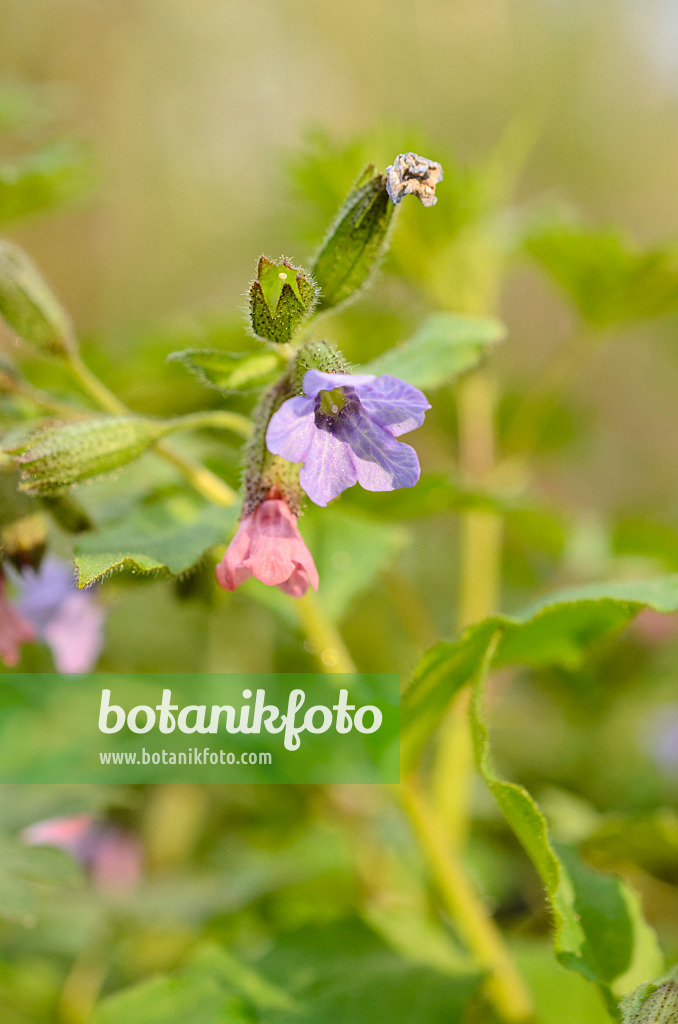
505,987
202,479
480,556
222,419
324,638
91,384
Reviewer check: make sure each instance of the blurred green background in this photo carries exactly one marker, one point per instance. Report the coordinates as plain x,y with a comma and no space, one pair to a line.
205,123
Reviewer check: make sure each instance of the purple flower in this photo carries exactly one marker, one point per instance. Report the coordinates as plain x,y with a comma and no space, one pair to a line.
68,620
343,430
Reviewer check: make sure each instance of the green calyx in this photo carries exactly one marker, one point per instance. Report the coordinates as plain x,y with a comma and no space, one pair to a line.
280,300
356,241
266,473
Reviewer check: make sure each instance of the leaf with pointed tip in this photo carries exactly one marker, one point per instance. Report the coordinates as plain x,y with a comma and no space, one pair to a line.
171,537
559,629
446,345
608,278
599,929
229,372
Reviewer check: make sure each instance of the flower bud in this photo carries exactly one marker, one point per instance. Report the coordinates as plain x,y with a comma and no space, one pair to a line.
29,306
59,457
280,300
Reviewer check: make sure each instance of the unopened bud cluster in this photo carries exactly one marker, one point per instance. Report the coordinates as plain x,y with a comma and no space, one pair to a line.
281,298
59,457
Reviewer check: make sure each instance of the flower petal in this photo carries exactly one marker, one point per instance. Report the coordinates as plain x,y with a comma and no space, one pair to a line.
75,633
395,405
230,571
381,463
297,584
316,381
271,560
328,468
44,591
290,430
269,547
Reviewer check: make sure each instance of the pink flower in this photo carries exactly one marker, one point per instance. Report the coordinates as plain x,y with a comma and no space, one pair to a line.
111,855
268,546
14,631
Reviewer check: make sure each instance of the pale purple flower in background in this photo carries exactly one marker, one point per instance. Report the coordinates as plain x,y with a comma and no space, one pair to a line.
112,856
661,738
655,628
343,429
14,630
410,174
68,620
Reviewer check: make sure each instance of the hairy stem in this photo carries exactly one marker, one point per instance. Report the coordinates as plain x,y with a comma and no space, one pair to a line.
202,479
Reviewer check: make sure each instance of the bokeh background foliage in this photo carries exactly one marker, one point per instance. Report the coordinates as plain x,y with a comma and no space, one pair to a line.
150,150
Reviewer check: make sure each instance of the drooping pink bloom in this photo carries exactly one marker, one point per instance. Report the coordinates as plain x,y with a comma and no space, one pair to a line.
111,855
14,630
269,547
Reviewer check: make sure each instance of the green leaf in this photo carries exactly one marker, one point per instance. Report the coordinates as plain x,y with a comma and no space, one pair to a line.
442,672
558,629
355,242
640,538
608,278
599,927
170,537
446,345
21,869
229,372
346,975
560,996
41,181
171,1000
